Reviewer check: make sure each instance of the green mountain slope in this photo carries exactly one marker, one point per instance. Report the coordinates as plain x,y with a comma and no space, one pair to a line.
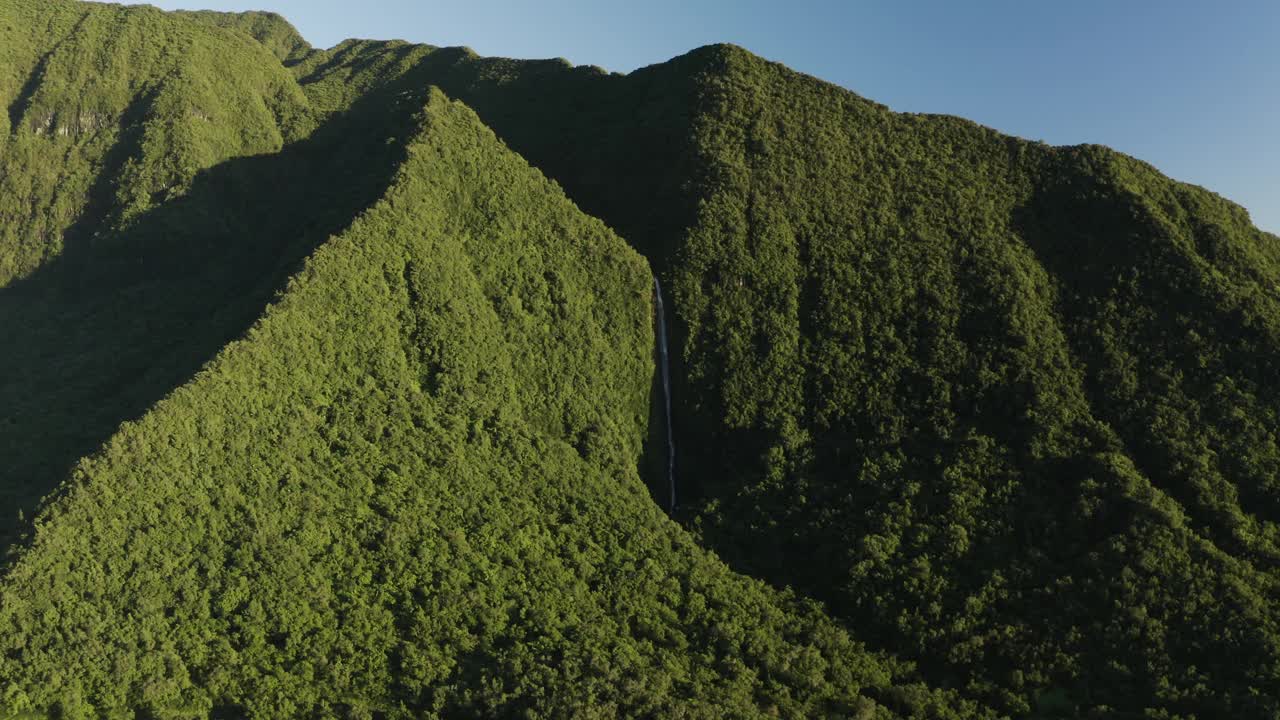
1007,411
269,29
137,293
112,110
1010,410
1001,396
409,489
412,488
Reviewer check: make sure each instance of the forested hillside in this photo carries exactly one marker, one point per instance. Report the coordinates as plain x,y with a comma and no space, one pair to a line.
991,417
409,489
113,110
1008,409
118,296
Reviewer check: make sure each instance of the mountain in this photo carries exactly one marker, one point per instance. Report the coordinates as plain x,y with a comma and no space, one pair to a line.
1007,409
113,110
405,482
344,404
269,29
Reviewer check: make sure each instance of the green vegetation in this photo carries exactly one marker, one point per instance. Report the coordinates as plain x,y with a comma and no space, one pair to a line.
1008,414
138,290
273,31
1017,405
1008,410
390,497
112,110
410,488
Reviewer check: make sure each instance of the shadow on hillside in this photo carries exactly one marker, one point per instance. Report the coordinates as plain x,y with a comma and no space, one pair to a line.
621,147
121,318
22,102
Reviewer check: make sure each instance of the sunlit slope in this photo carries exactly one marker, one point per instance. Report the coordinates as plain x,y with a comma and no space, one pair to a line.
269,29
112,110
411,489
142,288
1010,410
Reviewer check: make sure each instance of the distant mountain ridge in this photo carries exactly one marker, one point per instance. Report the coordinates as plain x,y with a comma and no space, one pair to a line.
1008,412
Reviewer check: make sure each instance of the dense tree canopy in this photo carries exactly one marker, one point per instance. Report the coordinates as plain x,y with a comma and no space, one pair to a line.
1007,409
338,406
409,488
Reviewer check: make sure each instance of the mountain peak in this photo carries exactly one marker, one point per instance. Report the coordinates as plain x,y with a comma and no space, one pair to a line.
272,30
329,378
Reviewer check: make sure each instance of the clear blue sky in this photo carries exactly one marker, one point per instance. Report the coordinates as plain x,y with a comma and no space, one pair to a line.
1192,87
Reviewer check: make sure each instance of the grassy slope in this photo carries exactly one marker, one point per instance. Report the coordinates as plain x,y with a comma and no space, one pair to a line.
411,488
1008,409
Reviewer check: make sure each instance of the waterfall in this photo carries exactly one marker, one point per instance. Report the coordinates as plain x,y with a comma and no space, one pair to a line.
666,390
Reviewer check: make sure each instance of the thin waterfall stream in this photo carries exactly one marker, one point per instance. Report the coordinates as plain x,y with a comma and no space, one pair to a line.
666,390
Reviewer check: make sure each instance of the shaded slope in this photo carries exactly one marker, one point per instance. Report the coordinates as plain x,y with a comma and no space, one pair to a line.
623,147
108,326
870,299
411,490
1010,410
112,110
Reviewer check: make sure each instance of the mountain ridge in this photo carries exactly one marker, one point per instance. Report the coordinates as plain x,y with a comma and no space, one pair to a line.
173,674
1006,410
